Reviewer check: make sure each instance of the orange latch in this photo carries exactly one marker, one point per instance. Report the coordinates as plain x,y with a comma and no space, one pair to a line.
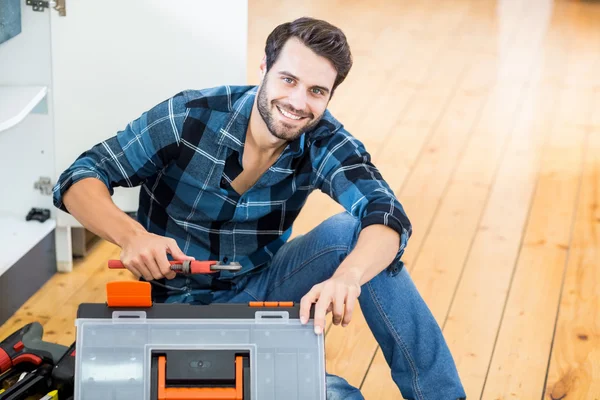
128,294
271,304
165,393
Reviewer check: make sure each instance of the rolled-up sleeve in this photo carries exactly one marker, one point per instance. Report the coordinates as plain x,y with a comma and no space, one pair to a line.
346,173
144,147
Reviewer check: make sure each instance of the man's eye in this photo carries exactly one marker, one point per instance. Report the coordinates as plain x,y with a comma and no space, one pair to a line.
288,80
317,91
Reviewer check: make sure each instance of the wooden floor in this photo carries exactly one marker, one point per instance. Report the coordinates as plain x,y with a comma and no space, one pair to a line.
484,117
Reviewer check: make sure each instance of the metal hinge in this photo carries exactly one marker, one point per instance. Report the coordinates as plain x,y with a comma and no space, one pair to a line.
41,5
44,185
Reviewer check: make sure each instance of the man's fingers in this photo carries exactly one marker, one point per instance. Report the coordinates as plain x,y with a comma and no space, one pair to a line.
150,263
350,303
134,271
321,311
164,265
154,269
306,302
338,308
139,266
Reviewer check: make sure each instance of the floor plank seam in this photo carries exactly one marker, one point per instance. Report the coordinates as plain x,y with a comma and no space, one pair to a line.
567,256
364,378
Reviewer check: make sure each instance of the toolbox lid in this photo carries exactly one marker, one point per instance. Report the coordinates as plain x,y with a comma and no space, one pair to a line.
115,347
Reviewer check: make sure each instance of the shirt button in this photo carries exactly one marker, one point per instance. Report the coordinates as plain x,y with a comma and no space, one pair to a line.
223,181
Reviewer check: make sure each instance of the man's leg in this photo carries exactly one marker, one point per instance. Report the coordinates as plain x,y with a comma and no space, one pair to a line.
410,338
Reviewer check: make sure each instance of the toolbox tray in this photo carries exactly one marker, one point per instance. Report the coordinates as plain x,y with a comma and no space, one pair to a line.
116,346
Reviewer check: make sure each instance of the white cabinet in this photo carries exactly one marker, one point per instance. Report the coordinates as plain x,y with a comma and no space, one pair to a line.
17,235
69,82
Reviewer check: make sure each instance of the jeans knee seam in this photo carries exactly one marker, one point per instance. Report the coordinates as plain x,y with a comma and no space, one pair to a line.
400,342
304,264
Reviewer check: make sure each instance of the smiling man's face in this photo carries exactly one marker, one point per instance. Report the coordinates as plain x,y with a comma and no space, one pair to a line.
296,91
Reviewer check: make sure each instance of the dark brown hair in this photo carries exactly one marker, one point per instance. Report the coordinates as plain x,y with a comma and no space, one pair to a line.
320,36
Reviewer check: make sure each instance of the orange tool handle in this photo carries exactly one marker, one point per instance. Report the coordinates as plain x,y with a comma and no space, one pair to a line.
196,267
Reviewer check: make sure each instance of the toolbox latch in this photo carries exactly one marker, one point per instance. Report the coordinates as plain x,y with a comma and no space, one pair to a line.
127,316
272,317
128,294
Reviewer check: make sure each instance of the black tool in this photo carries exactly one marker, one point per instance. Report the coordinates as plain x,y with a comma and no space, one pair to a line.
63,374
26,347
37,382
38,214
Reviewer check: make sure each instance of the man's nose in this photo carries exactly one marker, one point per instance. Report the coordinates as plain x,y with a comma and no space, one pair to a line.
298,99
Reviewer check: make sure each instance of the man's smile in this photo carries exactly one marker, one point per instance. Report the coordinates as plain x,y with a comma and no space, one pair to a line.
289,115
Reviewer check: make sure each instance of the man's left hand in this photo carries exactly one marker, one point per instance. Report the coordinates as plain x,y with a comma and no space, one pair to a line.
338,294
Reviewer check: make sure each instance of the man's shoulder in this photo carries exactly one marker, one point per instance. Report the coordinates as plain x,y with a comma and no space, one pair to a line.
330,131
331,136
217,98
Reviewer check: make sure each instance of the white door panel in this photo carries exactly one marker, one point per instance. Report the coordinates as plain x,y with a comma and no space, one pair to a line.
114,59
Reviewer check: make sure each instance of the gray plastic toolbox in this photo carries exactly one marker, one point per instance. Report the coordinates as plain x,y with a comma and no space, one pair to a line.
118,349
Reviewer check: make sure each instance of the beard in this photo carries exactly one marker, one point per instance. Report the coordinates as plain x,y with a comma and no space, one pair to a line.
278,128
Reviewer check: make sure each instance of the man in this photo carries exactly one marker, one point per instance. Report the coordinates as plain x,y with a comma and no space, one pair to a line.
224,173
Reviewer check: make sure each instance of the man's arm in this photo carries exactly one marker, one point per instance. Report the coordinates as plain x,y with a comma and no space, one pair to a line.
376,248
139,151
89,201
348,176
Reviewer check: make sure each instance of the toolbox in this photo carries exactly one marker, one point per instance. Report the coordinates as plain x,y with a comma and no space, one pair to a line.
130,348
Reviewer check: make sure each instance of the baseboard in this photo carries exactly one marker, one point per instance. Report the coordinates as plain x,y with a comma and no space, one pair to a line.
27,276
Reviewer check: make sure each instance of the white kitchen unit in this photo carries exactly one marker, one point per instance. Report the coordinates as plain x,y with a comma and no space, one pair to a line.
77,73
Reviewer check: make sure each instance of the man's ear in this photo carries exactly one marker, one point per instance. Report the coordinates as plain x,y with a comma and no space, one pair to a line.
263,68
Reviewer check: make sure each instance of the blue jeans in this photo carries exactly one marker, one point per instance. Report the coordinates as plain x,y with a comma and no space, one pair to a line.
410,338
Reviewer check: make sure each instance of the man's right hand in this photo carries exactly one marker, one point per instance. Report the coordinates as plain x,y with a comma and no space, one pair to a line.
142,253
145,254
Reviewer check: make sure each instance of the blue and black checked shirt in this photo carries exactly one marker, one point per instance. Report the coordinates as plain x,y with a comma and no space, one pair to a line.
185,152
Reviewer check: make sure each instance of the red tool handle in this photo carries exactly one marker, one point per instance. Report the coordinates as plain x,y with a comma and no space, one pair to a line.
196,267
5,361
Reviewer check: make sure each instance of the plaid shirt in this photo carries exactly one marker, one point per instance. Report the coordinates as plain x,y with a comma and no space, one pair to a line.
185,152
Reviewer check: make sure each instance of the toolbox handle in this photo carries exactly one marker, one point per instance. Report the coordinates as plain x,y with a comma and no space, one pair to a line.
272,317
128,315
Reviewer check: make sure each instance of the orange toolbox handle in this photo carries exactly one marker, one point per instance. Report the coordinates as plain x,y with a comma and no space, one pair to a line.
216,393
